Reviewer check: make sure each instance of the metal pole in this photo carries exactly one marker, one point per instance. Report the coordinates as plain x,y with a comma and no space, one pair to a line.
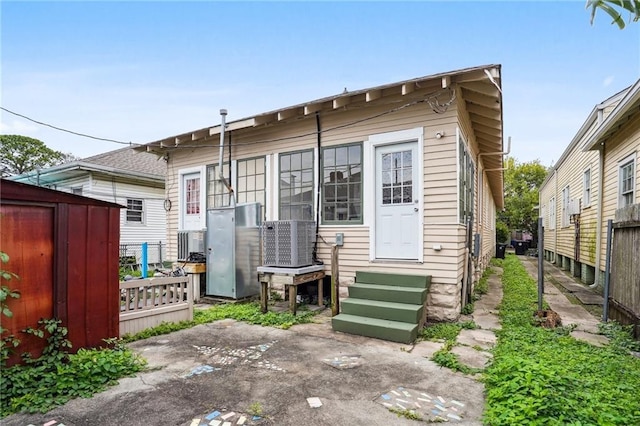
540,263
335,282
607,269
143,261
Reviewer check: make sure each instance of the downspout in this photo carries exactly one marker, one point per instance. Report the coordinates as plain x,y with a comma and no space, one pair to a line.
227,184
555,216
317,261
596,280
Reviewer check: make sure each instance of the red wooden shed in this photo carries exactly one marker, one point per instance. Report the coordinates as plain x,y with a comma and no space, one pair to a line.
64,249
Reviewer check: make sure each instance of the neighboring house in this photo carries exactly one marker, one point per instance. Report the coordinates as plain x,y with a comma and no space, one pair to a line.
132,179
400,170
596,175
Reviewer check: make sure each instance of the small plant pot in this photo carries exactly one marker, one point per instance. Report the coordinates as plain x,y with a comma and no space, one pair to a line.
547,318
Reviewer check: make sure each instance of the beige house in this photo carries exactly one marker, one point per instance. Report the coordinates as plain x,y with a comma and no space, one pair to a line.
401,170
596,175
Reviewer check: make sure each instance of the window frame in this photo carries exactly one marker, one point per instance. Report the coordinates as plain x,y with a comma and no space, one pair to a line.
312,186
349,201
238,176
625,162
552,213
466,181
140,211
566,200
586,188
213,184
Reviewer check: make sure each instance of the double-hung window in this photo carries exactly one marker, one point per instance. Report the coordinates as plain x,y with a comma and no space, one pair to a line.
565,206
466,174
586,185
342,184
135,210
296,185
626,181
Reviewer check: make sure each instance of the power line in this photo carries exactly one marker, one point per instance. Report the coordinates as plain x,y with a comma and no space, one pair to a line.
65,130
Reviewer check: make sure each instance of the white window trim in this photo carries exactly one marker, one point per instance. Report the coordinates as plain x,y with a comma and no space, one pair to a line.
143,216
565,220
586,196
276,183
369,146
629,159
202,170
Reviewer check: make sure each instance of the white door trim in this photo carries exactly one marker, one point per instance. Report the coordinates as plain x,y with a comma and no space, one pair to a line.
369,153
203,195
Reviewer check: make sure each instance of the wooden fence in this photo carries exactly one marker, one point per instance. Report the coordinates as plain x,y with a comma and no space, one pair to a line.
624,292
147,303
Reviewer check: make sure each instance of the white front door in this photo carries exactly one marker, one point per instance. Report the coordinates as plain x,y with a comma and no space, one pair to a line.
191,208
397,233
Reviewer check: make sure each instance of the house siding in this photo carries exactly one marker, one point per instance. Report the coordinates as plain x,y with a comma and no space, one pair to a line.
439,180
624,144
559,243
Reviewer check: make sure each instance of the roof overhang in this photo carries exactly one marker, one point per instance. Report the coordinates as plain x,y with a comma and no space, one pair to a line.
80,168
627,107
479,88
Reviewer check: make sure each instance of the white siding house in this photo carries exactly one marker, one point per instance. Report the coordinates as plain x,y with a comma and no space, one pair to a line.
126,177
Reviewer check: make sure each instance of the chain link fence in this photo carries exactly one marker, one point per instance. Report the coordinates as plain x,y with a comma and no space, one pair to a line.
131,255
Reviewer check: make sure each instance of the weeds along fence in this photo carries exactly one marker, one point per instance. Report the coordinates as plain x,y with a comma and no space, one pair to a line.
131,255
624,291
146,303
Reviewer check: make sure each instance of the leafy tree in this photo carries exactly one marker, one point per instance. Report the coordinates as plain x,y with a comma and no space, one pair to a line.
521,184
20,154
611,7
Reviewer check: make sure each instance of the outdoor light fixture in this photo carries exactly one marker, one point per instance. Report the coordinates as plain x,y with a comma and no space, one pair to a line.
439,134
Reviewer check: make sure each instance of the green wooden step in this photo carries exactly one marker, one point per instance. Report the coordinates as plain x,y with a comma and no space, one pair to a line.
402,312
394,331
381,278
388,293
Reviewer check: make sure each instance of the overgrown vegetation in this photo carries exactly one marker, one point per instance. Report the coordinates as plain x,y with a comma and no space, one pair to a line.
246,312
447,331
57,376
539,376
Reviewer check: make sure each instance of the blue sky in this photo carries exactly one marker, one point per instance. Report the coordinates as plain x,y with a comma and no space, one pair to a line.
142,71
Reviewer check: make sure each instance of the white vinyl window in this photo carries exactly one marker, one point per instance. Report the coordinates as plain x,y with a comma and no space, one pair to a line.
552,213
586,188
217,193
566,220
135,210
626,181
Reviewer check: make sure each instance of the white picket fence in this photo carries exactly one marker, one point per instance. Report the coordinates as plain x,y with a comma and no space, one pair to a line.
148,302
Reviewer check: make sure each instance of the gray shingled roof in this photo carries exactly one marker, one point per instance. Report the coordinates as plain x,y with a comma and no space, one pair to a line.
128,159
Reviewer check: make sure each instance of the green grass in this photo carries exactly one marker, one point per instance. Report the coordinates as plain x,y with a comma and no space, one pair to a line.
539,376
246,312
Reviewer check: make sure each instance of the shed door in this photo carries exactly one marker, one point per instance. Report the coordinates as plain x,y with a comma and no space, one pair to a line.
397,202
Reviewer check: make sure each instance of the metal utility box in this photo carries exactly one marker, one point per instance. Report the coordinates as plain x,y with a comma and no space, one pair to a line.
233,251
288,243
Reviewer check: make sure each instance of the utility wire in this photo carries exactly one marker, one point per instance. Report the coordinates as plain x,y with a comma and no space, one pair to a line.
65,130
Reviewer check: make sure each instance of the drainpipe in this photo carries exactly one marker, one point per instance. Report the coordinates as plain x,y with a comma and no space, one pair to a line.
555,216
316,260
596,280
227,184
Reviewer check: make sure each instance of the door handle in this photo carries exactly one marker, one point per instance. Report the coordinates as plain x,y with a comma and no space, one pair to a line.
415,209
